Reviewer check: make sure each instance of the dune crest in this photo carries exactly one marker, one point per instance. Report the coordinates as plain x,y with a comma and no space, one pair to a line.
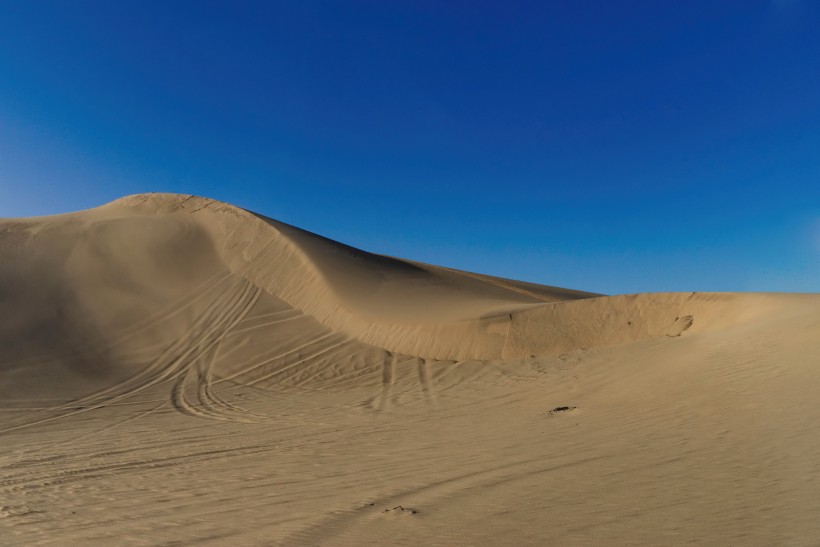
395,304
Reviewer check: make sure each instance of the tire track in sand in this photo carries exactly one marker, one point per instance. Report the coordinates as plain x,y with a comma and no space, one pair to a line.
227,310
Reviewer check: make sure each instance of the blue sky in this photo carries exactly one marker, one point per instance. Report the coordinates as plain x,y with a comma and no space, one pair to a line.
609,146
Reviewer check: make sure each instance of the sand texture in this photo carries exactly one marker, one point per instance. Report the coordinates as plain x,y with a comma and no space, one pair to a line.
176,370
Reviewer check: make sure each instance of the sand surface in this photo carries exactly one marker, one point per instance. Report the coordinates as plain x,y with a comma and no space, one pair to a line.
175,370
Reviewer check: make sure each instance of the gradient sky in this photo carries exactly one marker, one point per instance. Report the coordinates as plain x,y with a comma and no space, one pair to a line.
608,146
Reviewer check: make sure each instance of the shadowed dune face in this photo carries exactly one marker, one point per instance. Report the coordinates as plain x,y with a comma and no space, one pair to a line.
170,359
395,290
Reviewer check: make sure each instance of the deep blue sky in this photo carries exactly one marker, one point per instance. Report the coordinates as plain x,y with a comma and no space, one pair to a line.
607,146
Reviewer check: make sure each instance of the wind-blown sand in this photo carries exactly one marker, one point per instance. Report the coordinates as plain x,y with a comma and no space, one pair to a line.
175,369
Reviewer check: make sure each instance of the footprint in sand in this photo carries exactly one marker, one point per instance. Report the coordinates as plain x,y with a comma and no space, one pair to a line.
560,409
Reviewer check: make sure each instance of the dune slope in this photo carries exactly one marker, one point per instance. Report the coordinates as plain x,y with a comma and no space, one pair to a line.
176,369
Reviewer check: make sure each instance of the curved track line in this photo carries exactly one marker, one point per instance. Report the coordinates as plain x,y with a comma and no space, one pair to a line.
226,312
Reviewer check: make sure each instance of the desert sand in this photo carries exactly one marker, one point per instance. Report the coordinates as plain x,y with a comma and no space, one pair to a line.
176,370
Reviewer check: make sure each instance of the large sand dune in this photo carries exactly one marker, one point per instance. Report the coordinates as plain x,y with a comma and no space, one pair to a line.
175,369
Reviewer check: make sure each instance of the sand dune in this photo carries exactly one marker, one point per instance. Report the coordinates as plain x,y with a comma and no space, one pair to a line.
176,369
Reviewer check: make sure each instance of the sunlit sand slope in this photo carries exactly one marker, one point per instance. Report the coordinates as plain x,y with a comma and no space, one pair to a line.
178,369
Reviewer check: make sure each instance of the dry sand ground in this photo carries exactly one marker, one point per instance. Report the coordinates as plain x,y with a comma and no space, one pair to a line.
177,370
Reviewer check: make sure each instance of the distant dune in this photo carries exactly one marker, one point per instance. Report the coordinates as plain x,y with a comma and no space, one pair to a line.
176,369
